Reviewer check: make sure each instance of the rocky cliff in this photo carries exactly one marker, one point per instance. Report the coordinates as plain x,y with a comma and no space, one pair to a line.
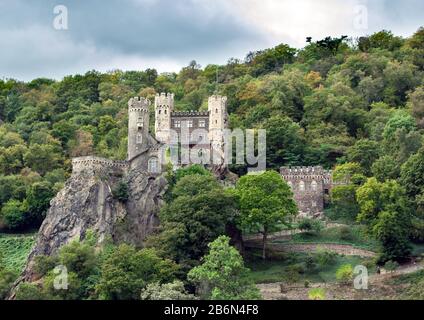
87,202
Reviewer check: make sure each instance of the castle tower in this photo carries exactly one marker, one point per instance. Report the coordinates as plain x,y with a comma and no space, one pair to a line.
138,126
217,106
164,106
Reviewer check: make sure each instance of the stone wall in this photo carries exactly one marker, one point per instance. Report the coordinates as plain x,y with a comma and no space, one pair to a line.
310,186
99,165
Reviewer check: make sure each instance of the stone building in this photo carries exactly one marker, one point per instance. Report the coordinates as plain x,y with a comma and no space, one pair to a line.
201,131
311,188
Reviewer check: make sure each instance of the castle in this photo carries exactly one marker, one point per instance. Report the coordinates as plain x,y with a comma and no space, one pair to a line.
200,132
311,188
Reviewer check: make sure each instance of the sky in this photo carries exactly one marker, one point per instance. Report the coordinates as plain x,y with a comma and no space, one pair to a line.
54,38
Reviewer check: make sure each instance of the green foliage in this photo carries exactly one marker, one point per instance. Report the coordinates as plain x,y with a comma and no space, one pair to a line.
121,191
199,213
345,274
391,266
266,201
14,214
317,294
385,209
168,291
127,271
310,225
222,274
15,250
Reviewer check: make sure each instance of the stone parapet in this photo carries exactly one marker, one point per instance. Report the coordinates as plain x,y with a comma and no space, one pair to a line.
100,165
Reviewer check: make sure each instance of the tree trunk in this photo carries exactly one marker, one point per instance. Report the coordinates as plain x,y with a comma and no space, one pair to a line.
264,246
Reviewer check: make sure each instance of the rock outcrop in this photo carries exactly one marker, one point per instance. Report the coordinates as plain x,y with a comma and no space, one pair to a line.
87,202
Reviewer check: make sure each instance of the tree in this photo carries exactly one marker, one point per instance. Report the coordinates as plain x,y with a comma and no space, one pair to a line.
266,202
385,209
412,179
365,152
285,142
168,291
385,168
39,195
127,271
343,196
14,214
198,213
42,158
222,274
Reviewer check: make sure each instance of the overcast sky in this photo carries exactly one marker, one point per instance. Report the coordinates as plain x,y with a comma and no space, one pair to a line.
167,34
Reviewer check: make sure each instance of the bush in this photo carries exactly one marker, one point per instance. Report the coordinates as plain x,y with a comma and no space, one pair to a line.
310,225
14,214
344,233
391,266
344,274
325,258
317,294
121,191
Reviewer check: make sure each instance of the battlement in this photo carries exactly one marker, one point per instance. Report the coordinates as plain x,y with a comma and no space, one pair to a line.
190,114
306,173
217,98
164,99
100,165
139,104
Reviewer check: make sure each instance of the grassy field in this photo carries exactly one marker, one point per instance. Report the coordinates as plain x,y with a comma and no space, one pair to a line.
293,268
350,235
15,249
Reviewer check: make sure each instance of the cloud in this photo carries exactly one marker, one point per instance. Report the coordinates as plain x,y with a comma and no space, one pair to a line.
167,34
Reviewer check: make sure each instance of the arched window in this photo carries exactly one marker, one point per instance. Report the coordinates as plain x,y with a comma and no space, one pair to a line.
160,111
153,165
216,111
166,112
302,186
314,185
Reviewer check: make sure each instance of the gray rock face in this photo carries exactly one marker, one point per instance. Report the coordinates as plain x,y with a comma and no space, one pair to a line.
87,203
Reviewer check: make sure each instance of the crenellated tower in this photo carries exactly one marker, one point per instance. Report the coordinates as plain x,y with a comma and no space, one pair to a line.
164,106
218,118
138,126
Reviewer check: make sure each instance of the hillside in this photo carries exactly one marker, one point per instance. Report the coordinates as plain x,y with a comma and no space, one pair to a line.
352,105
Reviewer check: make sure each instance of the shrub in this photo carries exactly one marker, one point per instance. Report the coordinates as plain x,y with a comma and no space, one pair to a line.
317,294
325,257
344,274
14,214
121,191
344,233
310,225
391,266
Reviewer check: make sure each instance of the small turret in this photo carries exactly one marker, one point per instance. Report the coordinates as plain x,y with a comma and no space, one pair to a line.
138,125
164,106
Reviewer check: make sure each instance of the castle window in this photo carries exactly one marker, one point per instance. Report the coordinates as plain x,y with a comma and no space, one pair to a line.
190,123
166,112
202,123
160,111
139,138
314,185
302,186
216,111
177,124
153,165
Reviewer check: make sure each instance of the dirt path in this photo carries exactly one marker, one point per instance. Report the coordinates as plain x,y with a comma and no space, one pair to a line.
378,289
